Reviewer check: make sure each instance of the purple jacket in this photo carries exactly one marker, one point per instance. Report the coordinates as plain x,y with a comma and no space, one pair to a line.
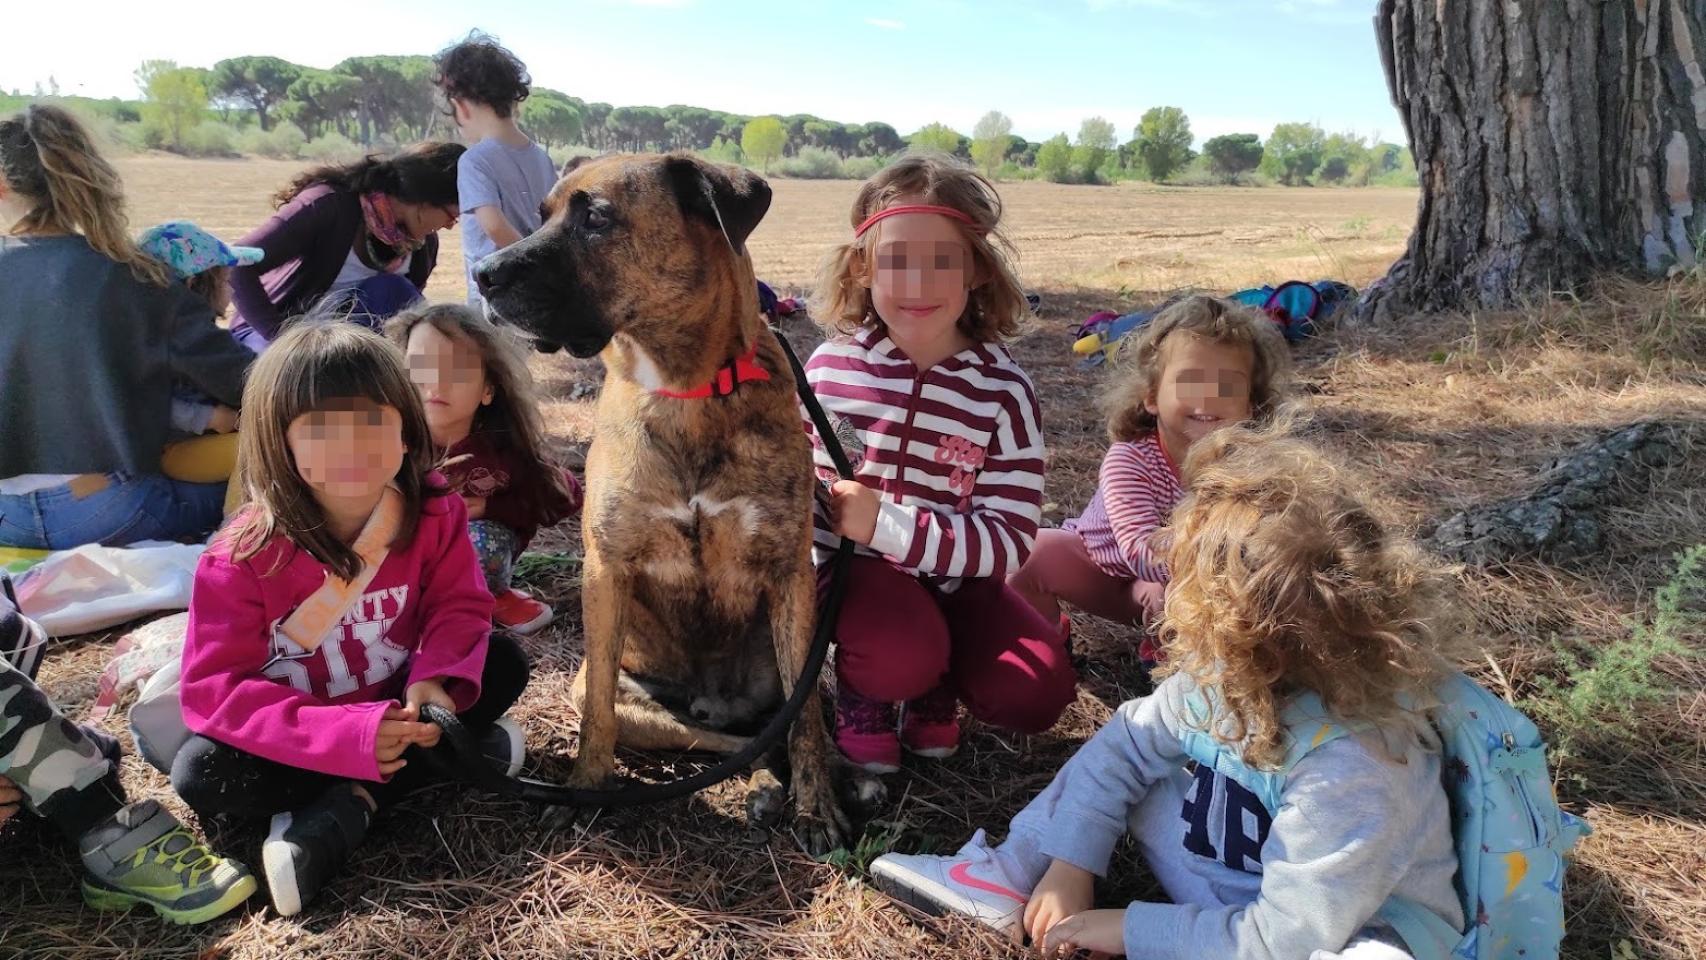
306,244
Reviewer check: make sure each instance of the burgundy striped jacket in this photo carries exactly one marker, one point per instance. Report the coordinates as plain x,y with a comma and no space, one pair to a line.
956,452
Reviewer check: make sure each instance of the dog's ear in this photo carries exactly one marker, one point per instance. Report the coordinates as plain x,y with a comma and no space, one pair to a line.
572,164
731,198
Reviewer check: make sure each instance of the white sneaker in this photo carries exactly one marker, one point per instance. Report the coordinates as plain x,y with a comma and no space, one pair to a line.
504,746
970,882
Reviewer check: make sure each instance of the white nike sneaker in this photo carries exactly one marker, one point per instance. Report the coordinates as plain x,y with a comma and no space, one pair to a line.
971,882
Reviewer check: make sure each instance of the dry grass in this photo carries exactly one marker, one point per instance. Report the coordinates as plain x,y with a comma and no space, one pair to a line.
1131,236
1439,414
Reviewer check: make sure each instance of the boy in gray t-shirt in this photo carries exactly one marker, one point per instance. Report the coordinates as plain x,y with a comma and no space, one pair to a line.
503,177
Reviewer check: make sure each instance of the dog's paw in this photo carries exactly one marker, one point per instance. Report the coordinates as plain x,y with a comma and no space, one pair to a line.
592,776
868,792
818,835
766,798
820,823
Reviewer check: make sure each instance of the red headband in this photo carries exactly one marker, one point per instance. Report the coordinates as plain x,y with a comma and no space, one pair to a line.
899,209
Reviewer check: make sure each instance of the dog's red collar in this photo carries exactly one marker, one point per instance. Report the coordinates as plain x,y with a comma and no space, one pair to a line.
742,369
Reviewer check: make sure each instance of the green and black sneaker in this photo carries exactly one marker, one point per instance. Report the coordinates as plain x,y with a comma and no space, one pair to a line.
143,855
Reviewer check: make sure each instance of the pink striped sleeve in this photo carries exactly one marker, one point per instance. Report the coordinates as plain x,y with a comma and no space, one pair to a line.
1138,494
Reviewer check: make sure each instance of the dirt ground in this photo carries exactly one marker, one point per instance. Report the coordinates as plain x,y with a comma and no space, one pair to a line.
1438,414
1132,236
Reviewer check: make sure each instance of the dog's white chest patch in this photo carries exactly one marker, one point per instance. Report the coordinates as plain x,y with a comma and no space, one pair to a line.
645,372
703,506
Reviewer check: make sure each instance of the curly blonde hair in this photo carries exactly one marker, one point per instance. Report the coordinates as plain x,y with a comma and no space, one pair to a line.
1139,365
995,307
1283,581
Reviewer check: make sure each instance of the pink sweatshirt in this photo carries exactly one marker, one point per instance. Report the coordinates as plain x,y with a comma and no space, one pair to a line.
425,616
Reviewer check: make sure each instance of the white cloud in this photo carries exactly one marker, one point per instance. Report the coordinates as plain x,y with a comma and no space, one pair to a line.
883,24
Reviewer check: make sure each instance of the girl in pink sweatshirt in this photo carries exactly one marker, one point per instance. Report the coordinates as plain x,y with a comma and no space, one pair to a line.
342,600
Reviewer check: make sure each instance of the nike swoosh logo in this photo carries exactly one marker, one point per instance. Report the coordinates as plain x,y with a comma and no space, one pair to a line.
961,874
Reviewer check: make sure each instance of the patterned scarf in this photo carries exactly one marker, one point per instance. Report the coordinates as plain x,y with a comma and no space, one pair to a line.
314,618
381,215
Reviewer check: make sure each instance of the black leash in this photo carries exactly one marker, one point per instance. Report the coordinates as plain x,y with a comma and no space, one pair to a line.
470,765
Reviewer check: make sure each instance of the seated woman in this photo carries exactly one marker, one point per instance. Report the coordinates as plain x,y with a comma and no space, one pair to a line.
93,334
361,238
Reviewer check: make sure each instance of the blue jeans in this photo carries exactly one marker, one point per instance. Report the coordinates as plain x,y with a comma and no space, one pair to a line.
127,509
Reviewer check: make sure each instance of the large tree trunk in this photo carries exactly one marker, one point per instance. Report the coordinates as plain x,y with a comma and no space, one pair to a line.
1553,139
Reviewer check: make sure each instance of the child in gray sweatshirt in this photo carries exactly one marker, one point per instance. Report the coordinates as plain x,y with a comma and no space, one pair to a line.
1283,583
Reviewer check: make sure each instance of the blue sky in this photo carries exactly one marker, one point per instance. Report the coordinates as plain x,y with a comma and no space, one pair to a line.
1233,65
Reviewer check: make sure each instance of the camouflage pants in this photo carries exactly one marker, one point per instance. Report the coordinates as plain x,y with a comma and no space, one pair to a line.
50,759
494,543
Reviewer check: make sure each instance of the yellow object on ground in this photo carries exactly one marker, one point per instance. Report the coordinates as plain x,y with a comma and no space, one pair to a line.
1096,343
235,493
205,459
19,559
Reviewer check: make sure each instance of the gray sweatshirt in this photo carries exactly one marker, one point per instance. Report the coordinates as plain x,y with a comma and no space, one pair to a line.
1354,828
88,356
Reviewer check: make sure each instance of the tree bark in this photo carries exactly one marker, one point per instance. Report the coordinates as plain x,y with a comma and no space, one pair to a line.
1553,139
1561,518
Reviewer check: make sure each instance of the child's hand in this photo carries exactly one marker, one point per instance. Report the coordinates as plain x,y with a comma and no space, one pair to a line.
1065,890
1102,932
399,729
476,507
224,419
10,798
1151,597
853,510
419,695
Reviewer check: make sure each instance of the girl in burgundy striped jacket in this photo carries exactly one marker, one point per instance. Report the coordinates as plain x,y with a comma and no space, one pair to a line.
1201,363
949,491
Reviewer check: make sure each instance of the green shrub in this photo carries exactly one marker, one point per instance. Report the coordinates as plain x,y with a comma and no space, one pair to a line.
210,139
812,163
331,148
1054,160
723,151
560,156
1607,689
1012,171
1398,178
863,168
151,134
283,142
1195,176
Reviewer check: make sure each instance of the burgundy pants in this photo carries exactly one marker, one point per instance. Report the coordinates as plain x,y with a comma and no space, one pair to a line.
899,638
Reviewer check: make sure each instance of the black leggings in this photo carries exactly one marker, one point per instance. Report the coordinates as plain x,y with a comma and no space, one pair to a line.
215,778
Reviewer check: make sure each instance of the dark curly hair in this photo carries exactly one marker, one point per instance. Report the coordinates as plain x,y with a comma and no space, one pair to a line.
422,173
480,70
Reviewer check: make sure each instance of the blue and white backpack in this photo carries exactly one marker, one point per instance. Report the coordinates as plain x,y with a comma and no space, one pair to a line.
1512,839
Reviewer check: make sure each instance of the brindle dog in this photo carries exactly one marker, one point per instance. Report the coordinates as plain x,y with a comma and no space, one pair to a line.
698,593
